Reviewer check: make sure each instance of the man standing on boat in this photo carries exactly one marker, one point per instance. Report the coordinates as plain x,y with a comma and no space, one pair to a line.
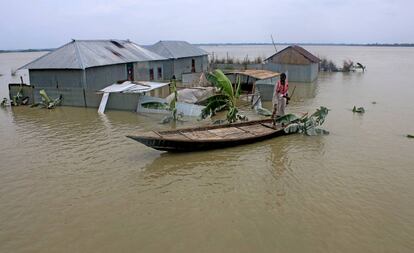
280,97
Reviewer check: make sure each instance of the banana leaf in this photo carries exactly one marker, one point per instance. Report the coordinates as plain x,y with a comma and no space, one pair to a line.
287,118
45,98
47,102
320,115
215,103
220,80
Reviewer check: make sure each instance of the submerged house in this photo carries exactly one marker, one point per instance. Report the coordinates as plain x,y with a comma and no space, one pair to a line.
300,64
186,61
80,68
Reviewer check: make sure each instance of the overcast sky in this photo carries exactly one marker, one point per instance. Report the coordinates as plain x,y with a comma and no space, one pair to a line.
51,23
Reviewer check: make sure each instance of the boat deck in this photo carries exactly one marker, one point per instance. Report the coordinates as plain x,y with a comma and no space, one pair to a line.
216,134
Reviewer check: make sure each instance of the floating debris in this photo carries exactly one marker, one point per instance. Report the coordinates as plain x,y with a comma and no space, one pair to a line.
3,102
374,102
358,110
410,136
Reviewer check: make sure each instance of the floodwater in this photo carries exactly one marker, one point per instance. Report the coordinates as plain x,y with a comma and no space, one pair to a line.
71,182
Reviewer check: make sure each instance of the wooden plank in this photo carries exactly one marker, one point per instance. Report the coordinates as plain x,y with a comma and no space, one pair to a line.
231,133
175,136
257,129
201,135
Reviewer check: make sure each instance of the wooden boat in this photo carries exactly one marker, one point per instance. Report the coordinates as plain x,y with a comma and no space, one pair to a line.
210,137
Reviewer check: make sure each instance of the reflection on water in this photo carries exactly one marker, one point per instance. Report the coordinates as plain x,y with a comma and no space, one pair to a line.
71,181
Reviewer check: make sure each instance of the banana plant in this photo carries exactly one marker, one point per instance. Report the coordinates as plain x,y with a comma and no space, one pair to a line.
305,124
226,100
174,116
47,102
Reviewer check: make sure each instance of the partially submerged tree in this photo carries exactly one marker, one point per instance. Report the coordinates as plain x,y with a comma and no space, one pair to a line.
347,66
226,100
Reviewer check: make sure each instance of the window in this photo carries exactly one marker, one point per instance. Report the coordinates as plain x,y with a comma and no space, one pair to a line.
151,74
159,75
193,65
130,71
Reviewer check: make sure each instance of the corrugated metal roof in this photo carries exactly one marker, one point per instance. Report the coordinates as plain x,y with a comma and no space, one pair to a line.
81,54
176,49
301,51
258,74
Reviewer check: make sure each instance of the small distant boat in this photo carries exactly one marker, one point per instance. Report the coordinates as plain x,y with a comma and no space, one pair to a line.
210,137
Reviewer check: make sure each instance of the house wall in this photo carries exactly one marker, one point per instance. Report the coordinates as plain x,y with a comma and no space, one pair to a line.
56,82
296,73
122,101
168,69
142,70
56,78
100,77
155,65
177,67
183,65
266,88
70,84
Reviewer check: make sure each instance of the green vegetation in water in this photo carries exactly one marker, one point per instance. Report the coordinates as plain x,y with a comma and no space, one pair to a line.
358,110
174,116
226,100
347,66
308,125
19,98
233,60
47,102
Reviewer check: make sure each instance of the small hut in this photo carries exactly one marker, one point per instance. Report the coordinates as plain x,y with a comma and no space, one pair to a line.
300,64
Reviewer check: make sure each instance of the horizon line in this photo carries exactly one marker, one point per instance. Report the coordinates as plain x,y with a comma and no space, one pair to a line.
396,44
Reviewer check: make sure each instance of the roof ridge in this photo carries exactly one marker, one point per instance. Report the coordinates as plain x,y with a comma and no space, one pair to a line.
78,54
305,53
172,55
299,50
99,40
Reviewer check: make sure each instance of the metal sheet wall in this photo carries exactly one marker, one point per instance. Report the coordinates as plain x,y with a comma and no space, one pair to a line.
141,71
100,77
183,65
122,101
296,73
56,78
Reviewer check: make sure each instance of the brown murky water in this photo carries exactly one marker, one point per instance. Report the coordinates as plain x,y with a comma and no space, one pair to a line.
71,182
